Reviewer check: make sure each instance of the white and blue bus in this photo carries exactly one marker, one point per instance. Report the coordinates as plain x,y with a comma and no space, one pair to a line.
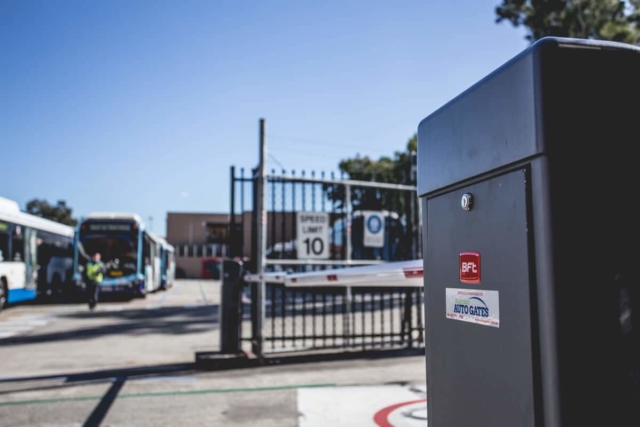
36,254
131,254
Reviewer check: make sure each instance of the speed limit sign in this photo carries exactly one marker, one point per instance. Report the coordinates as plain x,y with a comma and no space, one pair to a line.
313,235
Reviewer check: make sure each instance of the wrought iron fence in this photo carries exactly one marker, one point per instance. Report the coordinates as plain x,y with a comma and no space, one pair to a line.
343,200
323,318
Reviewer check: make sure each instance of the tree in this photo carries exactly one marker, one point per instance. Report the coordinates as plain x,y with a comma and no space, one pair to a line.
60,212
616,20
396,170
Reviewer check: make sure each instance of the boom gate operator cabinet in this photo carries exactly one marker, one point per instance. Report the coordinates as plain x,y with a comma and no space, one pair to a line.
530,186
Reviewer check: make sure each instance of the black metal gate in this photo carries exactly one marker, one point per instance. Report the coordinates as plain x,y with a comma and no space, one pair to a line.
263,228
333,317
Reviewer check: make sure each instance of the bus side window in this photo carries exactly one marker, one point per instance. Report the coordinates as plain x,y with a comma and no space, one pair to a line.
4,246
17,246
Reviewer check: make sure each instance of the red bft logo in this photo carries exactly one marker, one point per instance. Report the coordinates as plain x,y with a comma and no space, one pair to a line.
470,267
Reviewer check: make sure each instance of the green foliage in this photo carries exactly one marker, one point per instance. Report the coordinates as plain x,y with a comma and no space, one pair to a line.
395,170
614,20
59,212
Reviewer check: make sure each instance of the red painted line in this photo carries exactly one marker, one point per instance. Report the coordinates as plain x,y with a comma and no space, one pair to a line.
381,418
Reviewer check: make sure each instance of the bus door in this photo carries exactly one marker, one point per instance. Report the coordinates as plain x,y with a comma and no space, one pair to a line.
155,256
31,259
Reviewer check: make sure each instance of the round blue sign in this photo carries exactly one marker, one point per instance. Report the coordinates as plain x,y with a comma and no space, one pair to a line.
374,225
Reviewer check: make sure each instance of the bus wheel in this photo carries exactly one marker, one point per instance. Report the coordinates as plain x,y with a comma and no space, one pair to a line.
4,292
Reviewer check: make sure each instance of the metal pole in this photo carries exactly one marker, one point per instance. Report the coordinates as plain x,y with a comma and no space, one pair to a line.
261,243
348,211
232,220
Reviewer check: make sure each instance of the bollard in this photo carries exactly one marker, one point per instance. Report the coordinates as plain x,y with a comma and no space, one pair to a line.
231,306
528,183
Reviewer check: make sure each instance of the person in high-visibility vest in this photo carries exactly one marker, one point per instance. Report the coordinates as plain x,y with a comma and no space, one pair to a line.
94,272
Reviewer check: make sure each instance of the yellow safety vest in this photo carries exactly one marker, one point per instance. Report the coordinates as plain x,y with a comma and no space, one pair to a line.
94,271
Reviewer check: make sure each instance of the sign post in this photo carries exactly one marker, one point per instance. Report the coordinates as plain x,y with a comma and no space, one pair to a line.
313,235
373,229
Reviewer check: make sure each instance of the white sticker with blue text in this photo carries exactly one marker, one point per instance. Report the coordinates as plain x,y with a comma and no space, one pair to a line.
474,306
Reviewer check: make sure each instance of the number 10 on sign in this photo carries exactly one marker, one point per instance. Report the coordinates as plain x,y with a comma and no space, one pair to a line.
313,235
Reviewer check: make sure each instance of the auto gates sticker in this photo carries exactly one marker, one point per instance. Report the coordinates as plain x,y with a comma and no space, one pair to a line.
474,306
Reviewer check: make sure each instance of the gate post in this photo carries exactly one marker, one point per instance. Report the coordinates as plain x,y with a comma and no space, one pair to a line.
231,306
258,304
231,239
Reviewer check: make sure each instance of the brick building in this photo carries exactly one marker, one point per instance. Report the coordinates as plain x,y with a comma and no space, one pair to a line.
198,236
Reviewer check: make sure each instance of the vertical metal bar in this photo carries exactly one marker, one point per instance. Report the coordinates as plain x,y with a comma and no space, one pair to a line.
363,310
373,319
293,212
348,214
315,292
324,319
232,239
401,313
242,184
283,222
352,325
420,304
304,195
313,192
382,334
273,316
333,218
323,199
293,316
273,212
283,297
262,241
392,300
304,318
346,329
304,208
345,320
333,315
347,239
409,319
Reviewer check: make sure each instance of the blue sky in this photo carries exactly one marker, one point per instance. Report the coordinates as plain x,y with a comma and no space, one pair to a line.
143,106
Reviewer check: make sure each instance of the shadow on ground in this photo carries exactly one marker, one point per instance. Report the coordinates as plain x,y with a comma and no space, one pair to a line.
129,321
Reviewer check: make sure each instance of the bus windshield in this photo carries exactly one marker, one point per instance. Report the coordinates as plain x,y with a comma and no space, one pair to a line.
116,243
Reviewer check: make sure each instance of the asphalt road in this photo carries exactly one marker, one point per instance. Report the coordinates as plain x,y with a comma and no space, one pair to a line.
129,363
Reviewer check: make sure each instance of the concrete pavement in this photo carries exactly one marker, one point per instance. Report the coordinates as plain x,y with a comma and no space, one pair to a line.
129,363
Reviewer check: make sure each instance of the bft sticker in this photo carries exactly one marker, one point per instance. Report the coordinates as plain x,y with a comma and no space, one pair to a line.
470,267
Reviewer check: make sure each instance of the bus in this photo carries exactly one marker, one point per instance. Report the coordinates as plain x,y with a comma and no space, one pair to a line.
36,255
131,254
167,264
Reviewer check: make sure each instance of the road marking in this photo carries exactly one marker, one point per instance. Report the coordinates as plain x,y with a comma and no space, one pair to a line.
204,297
165,393
21,324
389,417
351,406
